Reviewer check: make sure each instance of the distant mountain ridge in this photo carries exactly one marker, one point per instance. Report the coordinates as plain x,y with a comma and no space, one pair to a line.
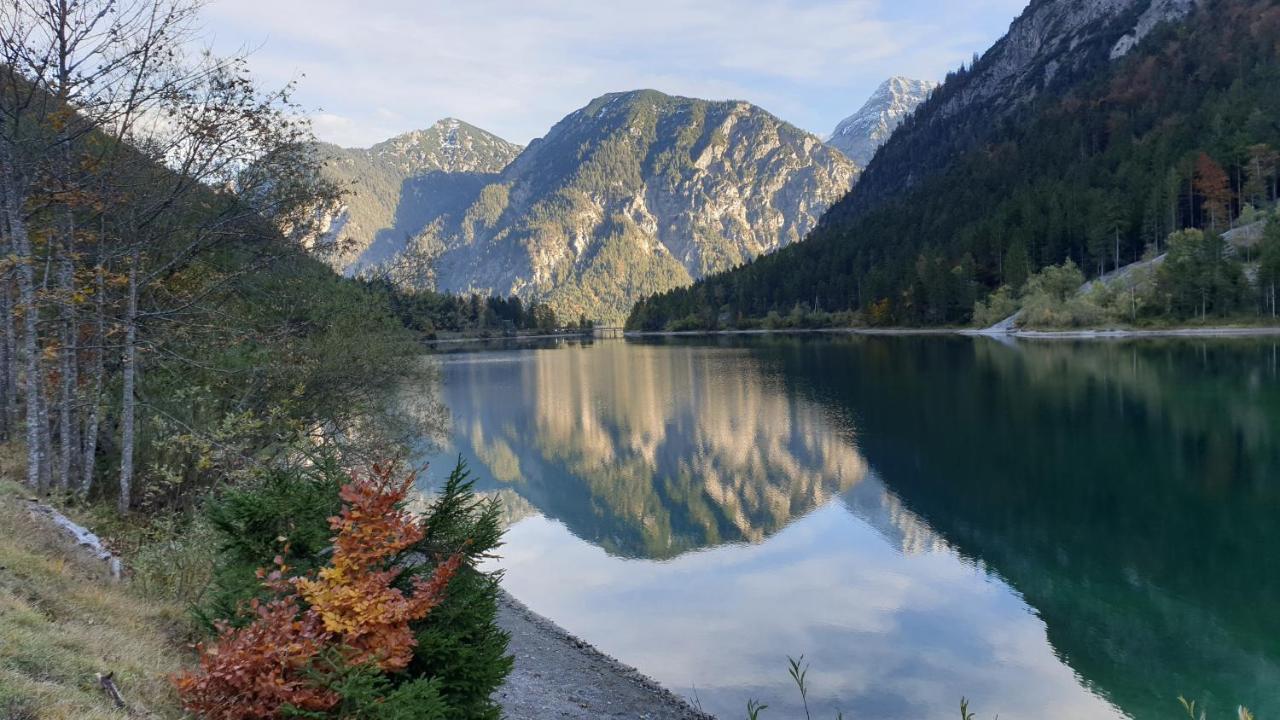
635,193
861,134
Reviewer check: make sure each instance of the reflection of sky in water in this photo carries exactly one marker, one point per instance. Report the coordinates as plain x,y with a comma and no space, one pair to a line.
774,537
889,635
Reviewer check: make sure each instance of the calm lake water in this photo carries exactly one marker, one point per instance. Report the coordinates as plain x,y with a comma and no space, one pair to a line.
1054,530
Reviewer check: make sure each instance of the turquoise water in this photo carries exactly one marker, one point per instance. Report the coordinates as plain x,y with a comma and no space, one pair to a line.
1054,530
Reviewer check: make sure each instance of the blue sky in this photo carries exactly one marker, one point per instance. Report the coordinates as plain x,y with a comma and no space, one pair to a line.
370,69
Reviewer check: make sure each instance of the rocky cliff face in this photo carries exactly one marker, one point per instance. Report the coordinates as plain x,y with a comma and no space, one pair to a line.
1053,45
861,134
1060,37
635,193
386,181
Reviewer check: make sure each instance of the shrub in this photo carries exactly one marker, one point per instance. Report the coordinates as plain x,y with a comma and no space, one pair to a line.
355,616
283,512
689,323
458,645
1053,299
998,306
173,562
1056,282
880,314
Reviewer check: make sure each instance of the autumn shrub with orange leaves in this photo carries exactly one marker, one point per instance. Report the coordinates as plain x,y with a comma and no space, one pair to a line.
295,651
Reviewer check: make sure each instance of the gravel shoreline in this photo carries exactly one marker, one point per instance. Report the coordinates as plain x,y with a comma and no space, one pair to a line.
557,676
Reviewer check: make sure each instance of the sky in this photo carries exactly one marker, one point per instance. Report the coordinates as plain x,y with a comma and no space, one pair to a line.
371,69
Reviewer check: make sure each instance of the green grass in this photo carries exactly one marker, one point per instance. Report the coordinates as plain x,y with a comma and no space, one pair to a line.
63,621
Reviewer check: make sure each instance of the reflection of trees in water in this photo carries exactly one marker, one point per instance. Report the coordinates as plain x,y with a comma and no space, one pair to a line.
1211,390
651,452
1129,491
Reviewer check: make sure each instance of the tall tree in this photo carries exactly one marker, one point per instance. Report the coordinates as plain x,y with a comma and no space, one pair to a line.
108,124
1213,185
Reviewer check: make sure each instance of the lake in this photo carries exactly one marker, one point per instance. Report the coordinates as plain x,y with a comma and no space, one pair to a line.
1051,529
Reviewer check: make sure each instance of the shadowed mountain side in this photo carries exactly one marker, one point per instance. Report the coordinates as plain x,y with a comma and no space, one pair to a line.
425,202
380,181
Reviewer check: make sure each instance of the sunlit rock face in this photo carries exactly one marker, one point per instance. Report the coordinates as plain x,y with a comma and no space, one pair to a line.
862,133
633,194
651,452
1060,37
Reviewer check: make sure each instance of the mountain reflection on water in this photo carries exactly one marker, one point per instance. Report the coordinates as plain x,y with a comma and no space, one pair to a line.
646,452
1059,530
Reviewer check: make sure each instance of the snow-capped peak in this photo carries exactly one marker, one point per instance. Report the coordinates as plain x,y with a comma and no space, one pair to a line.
862,133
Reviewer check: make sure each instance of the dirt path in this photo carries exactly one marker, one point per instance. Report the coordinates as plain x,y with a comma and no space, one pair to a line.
558,676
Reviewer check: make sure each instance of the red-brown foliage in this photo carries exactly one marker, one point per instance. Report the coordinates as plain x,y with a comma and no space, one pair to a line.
354,596
1214,186
251,672
351,607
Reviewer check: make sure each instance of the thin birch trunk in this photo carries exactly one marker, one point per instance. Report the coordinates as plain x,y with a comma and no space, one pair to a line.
67,356
6,361
11,371
99,370
127,405
30,354
45,439
67,442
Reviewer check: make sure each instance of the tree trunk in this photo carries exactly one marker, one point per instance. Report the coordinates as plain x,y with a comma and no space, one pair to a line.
30,355
67,442
11,370
127,404
45,439
99,370
67,356
6,361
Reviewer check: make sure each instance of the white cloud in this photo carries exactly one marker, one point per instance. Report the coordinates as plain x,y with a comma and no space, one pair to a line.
875,624
383,66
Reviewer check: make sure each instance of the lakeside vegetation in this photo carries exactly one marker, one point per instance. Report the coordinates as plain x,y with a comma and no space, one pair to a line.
181,371
433,314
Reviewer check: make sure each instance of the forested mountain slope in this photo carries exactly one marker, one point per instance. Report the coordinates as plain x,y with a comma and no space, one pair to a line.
164,330
1091,131
406,180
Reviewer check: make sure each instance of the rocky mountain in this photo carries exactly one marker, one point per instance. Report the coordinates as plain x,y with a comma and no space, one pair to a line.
1070,138
401,180
636,193
861,134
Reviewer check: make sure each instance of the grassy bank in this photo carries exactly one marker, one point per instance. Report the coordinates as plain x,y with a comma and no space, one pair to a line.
63,622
